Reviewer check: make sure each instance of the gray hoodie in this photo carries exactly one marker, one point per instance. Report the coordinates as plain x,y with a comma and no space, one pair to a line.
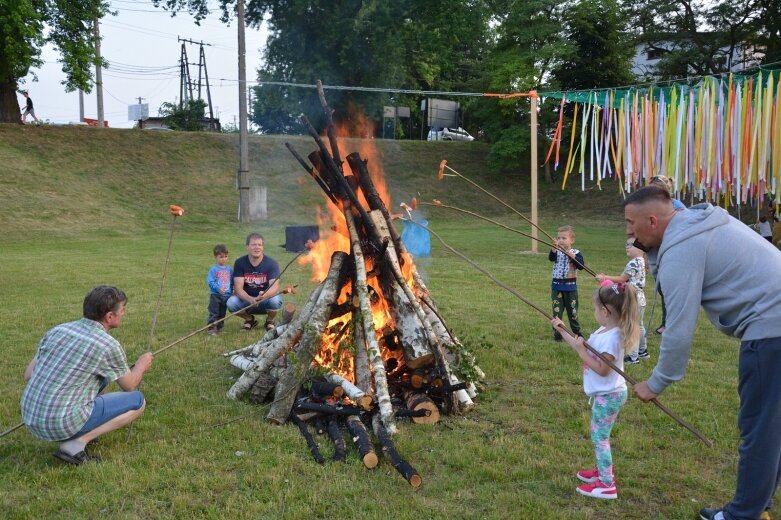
709,258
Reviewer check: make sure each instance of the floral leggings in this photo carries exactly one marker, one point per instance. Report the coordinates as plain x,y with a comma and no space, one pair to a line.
604,412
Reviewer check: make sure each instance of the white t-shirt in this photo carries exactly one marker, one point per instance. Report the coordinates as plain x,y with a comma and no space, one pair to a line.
607,342
764,229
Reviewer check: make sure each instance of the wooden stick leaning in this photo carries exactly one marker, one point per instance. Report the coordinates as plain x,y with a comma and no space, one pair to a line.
444,165
438,204
175,211
289,289
591,349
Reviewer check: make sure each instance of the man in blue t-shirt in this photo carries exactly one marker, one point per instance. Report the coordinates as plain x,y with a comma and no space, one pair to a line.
255,280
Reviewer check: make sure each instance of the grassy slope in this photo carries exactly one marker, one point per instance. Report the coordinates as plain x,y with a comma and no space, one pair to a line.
90,207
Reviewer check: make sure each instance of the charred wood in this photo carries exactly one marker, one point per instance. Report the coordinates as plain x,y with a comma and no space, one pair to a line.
310,441
418,402
389,449
360,437
340,448
327,409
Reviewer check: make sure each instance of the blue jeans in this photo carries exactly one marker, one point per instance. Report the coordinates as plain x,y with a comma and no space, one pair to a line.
110,406
272,304
759,422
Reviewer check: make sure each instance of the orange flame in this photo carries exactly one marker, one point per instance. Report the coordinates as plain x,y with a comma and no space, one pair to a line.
333,237
176,211
441,174
336,349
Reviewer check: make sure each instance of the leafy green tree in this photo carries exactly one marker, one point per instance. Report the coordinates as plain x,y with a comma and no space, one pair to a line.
188,117
700,37
529,45
68,27
356,43
602,48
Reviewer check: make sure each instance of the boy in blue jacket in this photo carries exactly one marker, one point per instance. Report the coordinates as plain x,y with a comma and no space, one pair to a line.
220,282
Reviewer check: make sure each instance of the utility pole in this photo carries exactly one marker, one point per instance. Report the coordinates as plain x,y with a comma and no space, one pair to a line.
98,75
244,215
81,106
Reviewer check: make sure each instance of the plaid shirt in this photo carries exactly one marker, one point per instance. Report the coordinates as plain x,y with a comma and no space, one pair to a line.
72,361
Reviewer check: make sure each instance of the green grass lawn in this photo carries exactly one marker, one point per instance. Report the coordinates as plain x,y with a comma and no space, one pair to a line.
79,208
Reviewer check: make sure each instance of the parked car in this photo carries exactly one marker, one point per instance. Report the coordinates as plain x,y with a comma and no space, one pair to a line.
449,134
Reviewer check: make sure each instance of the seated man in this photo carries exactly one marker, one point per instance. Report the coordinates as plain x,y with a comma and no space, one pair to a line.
255,281
74,363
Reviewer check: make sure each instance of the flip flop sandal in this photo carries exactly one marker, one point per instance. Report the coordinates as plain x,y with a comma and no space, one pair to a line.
76,459
249,325
269,325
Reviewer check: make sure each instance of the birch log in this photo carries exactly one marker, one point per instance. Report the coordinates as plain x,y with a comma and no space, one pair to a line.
269,354
355,394
410,329
380,378
295,373
363,376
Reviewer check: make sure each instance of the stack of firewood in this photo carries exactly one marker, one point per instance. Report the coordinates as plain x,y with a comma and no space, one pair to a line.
329,365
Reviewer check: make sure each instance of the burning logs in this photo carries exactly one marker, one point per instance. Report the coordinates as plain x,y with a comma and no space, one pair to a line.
369,343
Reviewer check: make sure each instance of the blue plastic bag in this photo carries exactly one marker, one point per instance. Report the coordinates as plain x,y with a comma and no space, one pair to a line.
416,239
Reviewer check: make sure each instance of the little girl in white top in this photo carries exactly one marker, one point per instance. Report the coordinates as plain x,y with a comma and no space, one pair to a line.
616,311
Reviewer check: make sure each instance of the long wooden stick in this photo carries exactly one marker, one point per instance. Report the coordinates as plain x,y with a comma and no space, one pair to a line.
183,338
438,204
591,349
444,165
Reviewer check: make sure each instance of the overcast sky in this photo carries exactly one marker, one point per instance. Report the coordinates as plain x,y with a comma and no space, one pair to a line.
141,46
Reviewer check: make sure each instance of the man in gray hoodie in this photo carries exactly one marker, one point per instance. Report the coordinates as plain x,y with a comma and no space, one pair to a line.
701,256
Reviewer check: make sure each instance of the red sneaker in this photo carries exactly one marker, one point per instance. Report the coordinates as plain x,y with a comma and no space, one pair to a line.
599,490
588,475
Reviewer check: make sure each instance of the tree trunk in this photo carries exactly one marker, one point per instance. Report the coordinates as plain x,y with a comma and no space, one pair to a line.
9,105
363,376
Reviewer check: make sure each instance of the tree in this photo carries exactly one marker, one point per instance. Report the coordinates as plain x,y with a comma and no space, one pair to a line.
602,50
407,44
700,37
529,45
68,27
188,118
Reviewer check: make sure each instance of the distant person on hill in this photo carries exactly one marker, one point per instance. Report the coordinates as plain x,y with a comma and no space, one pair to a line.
634,274
28,109
255,280
564,286
615,309
220,282
665,183
74,364
702,257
